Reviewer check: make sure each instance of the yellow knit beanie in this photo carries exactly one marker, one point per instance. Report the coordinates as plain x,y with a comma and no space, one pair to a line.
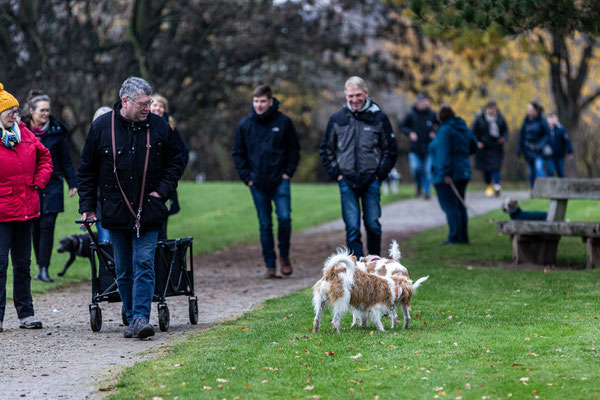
7,100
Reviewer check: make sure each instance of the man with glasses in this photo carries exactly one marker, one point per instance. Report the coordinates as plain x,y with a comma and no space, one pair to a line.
130,155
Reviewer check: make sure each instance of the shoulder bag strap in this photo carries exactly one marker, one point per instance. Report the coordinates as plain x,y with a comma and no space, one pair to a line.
141,202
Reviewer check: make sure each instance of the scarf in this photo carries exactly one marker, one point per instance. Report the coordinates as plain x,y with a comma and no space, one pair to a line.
493,125
40,131
11,137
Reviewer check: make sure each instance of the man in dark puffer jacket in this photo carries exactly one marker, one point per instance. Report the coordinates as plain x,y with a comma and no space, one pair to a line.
359,150
266,154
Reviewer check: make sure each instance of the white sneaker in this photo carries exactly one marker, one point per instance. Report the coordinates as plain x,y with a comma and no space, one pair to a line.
30,323
497,190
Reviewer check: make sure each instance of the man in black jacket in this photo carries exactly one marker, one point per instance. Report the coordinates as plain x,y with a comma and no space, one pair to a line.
140,145
420,125
266,154
359,150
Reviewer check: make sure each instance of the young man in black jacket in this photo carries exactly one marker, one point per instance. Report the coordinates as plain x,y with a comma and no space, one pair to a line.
266,154
140,145
358,150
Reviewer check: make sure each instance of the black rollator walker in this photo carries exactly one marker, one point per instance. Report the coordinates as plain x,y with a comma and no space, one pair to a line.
173,267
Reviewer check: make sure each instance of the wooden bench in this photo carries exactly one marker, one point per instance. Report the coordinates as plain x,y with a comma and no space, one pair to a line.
537,241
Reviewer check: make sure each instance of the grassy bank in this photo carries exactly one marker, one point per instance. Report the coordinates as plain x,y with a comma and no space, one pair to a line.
216,214
477,332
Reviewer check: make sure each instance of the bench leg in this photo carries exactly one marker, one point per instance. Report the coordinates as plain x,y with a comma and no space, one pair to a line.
593,252
540,250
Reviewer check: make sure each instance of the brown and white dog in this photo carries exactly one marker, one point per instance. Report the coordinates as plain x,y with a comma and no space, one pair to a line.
387,267
344,286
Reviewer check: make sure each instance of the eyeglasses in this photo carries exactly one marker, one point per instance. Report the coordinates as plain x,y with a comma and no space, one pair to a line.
14,112
142,105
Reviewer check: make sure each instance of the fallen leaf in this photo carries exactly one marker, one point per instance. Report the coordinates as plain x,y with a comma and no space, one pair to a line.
247,386
329,353
265,381
516,365
162,386
533,354
316,396
356,356
468,386
438,388
220,387
206,388
311,387
222,380
245,329
524,380
139,396
157,398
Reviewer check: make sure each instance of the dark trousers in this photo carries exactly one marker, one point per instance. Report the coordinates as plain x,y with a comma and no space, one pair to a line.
15,237
352,199
456,213
491,176
556,165
283,209
43,238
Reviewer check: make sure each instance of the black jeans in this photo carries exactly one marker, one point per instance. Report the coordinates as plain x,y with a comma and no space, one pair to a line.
15,236
43,238
456,213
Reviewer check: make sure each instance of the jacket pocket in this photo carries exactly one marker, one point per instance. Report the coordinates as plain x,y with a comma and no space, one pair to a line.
154,213
5,190
114,211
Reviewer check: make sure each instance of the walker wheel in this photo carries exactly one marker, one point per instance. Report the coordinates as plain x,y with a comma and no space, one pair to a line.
193,308
95,317
164,319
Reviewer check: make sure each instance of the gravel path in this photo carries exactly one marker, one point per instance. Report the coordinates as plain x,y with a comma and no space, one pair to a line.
66,360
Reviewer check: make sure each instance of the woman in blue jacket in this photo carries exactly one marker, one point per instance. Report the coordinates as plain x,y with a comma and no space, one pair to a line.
532,138
52,134
450,166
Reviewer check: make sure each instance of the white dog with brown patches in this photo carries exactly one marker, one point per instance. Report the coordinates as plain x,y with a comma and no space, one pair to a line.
344,285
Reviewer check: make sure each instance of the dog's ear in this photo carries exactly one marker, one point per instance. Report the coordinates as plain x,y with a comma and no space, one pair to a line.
513,204
353,257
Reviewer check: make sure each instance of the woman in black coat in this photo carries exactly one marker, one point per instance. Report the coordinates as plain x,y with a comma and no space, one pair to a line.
52,134
491,132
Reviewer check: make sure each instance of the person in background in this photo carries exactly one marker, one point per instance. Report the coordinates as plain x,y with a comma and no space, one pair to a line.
359,150
266,154
129,154
53,135
160,107
532,138
103,234
559,145
26,167
451,170
491,132
420,125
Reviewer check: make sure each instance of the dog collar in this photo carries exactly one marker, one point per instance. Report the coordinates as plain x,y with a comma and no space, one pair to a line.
375,259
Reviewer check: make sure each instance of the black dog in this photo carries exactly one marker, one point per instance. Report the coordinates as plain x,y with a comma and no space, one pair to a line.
512,208
77,245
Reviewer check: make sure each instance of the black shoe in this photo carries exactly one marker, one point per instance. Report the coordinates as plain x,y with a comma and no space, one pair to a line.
142,329
43,276
128,334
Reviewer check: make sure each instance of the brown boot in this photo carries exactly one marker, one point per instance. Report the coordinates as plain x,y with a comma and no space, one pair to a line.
271,274
286,266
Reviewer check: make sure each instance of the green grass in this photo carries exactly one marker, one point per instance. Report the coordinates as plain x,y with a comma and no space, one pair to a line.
476,331
216,214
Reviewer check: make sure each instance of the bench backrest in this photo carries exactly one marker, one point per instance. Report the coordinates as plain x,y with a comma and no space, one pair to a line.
566,188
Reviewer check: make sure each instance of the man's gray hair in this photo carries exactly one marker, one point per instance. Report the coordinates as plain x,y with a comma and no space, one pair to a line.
356,82
133,87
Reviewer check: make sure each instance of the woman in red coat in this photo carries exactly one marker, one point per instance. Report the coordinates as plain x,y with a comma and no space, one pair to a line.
26,167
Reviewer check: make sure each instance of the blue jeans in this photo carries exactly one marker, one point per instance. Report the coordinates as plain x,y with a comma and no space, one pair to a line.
491,176
283,209
103,233
456,213
536,169
420,168
15,236
352,199
134,259
556,165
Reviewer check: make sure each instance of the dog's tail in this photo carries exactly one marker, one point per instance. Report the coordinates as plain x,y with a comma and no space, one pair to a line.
342,256
395,253
419,282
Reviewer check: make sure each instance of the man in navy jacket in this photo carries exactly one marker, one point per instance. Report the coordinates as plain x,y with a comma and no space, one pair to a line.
560,144
266,154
